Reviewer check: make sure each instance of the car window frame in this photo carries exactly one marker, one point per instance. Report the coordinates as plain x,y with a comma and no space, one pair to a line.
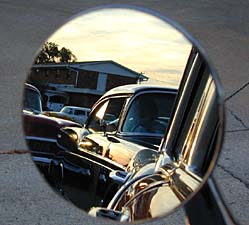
195,69
101,103
190,160
179,114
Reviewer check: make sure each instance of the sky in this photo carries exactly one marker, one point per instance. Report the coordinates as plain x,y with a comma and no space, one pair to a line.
137,40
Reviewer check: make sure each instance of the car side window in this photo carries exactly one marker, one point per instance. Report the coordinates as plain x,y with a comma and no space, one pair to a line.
146,114
108,113
69,111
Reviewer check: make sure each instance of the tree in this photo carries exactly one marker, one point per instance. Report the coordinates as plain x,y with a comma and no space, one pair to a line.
50,53
65,55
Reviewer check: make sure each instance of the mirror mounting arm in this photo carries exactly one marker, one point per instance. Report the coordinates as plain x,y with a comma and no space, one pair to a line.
103,125
211,208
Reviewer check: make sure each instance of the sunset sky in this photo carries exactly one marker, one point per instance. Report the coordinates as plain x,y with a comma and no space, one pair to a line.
137,40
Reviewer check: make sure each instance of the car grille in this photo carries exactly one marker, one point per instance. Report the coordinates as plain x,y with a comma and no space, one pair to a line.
42,146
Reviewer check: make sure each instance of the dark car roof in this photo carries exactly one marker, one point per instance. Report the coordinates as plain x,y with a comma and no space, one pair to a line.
135,88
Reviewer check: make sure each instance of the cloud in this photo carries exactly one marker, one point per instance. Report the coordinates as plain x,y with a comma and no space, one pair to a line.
135,39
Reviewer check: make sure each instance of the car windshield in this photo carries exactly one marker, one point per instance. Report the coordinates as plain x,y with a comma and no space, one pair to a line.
149,113
32,101
66,110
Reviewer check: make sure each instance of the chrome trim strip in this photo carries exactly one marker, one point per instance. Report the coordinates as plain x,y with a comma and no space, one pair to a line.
40,139
41,159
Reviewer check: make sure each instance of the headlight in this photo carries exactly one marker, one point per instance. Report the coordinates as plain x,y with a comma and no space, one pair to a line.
71,133
74,136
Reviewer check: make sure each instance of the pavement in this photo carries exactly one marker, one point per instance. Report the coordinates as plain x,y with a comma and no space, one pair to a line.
221,28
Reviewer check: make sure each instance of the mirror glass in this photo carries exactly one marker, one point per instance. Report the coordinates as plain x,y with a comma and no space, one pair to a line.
122,114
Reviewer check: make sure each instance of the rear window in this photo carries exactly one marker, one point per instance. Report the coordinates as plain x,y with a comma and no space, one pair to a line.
32,100
79,112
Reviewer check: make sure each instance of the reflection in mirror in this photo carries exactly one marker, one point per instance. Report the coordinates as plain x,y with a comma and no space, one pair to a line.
131,119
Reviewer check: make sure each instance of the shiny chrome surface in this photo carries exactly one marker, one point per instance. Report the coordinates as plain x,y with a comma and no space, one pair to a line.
187,152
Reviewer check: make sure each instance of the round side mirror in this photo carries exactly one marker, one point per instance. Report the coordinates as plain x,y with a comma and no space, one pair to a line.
111,58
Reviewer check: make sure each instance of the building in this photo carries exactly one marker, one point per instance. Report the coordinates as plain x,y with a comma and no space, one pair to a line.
80,83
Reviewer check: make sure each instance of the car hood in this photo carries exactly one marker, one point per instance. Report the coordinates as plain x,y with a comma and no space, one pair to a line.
39,125
117,149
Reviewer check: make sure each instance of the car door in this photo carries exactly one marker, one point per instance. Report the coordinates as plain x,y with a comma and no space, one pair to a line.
86,169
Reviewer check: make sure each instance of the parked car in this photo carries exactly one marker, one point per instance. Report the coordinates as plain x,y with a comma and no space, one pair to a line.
77,114
155,186
40,131
124,121
57,115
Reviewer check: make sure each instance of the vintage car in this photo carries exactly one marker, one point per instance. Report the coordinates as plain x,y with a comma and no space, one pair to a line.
77,114
157,185
57,115
72,113
40,130
123,121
